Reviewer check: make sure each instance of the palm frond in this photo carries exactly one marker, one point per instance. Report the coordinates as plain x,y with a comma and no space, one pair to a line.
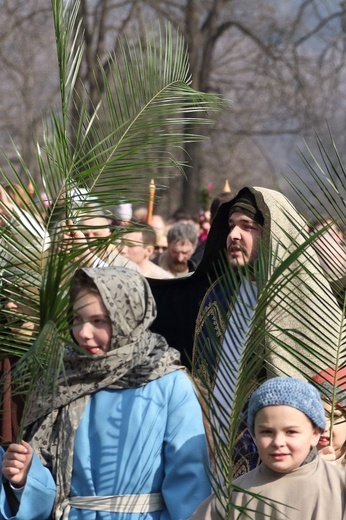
44,356
70,48
110,152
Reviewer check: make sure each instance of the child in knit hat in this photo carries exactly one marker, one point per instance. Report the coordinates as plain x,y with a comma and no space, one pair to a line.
286,418
332,443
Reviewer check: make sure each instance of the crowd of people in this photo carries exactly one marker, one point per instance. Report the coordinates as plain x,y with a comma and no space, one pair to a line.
162,336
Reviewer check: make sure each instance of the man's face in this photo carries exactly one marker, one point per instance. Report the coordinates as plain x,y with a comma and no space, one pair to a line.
134,249
331,250
95,228
243,239
179,253
160,246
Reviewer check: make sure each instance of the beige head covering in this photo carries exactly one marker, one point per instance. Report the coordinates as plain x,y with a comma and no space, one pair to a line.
302,318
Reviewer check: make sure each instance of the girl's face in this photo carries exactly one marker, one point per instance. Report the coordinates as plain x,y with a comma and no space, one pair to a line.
92,328
338,432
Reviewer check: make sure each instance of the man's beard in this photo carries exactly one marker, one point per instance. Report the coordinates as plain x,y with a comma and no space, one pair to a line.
179,267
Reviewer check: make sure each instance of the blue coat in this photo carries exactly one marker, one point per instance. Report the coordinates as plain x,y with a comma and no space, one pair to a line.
142,440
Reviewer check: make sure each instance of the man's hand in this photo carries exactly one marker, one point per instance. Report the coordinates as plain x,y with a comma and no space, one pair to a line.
6,204
73,239
16,463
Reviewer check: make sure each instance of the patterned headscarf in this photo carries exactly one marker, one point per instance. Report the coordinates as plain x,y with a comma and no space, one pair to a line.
136,357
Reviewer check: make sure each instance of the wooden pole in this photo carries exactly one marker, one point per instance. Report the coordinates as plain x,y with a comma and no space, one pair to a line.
152,189
31,189
226,188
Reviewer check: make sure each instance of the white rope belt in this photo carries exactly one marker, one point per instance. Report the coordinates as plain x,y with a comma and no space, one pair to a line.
145,503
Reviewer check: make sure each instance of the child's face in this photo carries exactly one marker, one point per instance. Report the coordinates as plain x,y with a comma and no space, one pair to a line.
284,436
92,328
338,431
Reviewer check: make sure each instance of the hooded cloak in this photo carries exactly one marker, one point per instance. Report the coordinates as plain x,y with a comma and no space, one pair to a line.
304,310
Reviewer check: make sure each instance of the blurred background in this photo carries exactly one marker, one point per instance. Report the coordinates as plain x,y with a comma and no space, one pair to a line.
281,63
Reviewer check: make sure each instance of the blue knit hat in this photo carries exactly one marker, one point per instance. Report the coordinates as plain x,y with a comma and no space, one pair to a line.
290,392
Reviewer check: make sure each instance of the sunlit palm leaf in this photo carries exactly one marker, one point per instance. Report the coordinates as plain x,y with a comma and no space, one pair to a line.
69,50
134,134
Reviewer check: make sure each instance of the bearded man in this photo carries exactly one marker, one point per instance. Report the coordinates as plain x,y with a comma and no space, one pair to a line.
257,231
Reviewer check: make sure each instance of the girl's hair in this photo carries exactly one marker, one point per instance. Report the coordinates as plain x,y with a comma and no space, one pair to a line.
81,280
332,381
19,196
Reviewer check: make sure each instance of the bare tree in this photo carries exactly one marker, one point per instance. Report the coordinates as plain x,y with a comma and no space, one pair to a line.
282,64
29,73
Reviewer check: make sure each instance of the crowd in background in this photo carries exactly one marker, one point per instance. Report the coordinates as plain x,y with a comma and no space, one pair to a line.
129,363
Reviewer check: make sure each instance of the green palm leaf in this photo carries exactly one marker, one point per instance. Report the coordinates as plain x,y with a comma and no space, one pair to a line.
110,151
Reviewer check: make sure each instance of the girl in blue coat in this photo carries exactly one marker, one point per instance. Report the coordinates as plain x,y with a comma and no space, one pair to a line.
123,436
